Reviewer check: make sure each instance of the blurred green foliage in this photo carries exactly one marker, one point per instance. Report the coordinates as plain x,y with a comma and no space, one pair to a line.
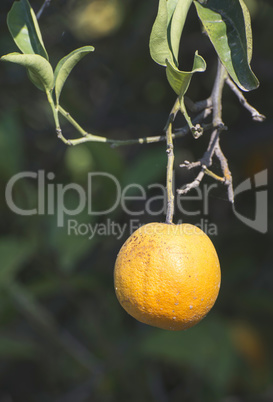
63,335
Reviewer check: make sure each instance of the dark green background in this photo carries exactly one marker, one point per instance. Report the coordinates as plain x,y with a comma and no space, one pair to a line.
63,335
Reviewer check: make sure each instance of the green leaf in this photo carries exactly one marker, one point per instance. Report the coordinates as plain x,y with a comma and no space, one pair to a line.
167,30
177,25
39,70
171,5
248,30
159,43
65,66
227,24
180,80
24,29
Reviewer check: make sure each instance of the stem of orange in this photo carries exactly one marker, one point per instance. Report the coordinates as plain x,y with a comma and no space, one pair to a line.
170,153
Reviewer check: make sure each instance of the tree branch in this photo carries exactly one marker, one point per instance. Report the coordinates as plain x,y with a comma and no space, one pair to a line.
203,109
87,137
256,116
215,101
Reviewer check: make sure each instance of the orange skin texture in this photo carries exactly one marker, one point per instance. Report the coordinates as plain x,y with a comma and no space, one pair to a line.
167,276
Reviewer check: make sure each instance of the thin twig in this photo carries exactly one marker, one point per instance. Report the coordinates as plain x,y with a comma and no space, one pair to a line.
214,176
217,119
195,183
256,116
225,169
196,129
213,146
87,137
42,9
169,181
217,92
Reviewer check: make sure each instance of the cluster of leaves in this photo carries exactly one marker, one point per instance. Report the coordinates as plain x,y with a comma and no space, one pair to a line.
25,31
227,24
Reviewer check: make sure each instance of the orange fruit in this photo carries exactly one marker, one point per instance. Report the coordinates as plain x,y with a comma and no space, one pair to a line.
167,275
